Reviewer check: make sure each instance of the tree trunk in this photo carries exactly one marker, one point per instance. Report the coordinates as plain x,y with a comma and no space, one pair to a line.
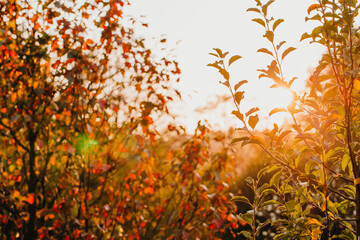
31,228
357,202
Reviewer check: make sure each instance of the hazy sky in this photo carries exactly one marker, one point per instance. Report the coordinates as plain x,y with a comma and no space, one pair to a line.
194,27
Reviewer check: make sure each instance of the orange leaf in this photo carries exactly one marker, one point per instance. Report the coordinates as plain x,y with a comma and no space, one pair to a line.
149,190
89,196
37,26
13,97
52,160
132,176
313,7
34,18
30,198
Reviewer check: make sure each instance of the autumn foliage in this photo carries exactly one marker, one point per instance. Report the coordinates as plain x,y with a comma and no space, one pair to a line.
313,191
81,155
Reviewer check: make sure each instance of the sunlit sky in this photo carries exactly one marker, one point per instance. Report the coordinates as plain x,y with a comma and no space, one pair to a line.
194,27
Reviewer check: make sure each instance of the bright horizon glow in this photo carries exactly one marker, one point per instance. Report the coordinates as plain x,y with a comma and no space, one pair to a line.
194,28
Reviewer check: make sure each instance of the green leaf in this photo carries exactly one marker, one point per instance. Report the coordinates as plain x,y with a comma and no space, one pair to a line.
253,10
239,96
238,115
263,224
276,23
275,179
316,31
270,202
348,191
253,120
276,110
269,35
234,58
332,207
273,168
247,217
246,234
345,162
290,205
261,173
267,192
259,21
264,50
251,111
239,84
240,199
287,51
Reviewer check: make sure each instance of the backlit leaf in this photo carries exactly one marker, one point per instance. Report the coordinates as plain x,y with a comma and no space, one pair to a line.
304,36
238,115
239,84
313,7
225,74
345,161
280,44
219,52
251,111
276,110
275,179
235,140
239,96
240,199
269,202
253,10
259,21
264,50
270,36
234,58
276,23
357,84
287,51
247,217
253,120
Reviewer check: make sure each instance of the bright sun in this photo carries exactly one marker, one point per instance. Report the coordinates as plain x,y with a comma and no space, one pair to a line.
281,97
270,99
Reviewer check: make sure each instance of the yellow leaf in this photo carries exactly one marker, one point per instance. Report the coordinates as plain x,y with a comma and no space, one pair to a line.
11,168
315,234
12,24
357,84
314,221
16,193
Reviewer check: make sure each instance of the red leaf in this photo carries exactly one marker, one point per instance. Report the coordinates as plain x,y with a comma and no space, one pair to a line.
30,198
